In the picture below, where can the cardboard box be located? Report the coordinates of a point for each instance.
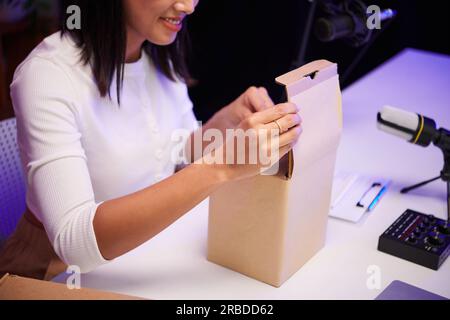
(267, 227)
(19, 288)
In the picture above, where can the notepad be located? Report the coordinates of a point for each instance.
(354, 194)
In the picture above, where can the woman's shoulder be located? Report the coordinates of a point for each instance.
(46, 76)
(57, 50)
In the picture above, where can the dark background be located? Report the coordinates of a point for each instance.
(239, 43)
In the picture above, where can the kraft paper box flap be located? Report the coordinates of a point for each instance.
(19, 288)
(307, 76)
(266, 227)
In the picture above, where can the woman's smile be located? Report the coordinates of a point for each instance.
(174, 24)
(156, 21)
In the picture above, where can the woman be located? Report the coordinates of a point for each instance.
(95, 109)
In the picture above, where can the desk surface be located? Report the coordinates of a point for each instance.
(173, 264)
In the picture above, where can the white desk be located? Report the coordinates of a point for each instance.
(173, 265)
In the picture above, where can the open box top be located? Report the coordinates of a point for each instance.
(295, 82)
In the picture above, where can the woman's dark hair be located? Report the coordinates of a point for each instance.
(102, 40)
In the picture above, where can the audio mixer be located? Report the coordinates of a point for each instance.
(419, 238)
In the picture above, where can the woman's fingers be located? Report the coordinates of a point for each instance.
(285, 123)
(256, 99)
(265, 96)
(288, 126)
(286, 140)
(272, 114)
(291, 136)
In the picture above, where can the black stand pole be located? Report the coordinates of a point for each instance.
(305, 38)
(418, 185)
(448, 202)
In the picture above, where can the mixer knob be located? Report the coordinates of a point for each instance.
(431, 219)
(444, 228)
(435, 240)
(412, 239)
(418, 232)
(425, 223)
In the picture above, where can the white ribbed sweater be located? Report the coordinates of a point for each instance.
(79, 149)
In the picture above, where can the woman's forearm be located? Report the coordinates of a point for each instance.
(122, 224)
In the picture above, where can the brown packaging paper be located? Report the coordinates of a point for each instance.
(19, 288)
(267, 227)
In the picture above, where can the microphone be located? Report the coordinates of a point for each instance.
(413, 127)
(418, 129)
(347, 20)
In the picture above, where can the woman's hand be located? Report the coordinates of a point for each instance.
(239, 158)
(251, 101)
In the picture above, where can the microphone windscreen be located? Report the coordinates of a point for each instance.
(398, 122)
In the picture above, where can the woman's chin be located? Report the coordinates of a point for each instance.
(163, 40)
